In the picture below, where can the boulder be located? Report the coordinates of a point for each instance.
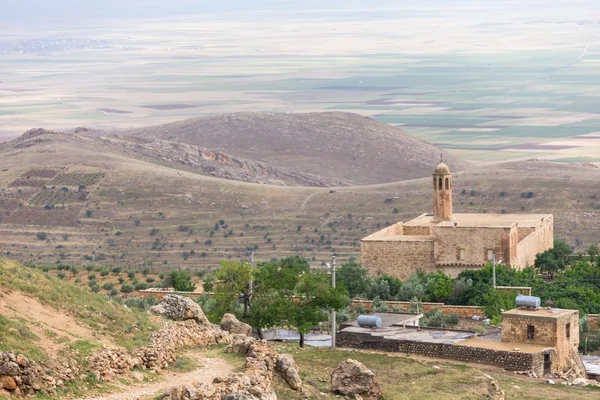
(179, 308)
(287, 368)
(232, 325)
(7, 382)
(352, 378)
(9, 368)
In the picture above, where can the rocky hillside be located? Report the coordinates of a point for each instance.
(198, 159)
(339, 146)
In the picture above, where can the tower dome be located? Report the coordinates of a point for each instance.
(442, 169)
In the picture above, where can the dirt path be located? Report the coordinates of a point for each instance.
(210, 369)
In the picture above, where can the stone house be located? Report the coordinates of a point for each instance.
(455, 242)
(554, 328)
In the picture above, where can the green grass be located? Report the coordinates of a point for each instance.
(16, 336)
(237, 361)
(408, 378)
(129, 328)
(184, 364)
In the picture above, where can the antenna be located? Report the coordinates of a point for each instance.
(441, 157)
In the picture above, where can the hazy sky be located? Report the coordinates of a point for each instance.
(64, 10)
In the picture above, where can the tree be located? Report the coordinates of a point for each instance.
(181, 281)
(353, 277)
(232, 285)
(288, 292)
(316, 298)
(554, 260)
(413, 287)
(439, 287)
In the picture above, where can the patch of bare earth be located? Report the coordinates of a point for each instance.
(209, 369)
(54, 327)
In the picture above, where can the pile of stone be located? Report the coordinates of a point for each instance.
(108, 363)
(255, 383)
(20, 376)
(231, 324)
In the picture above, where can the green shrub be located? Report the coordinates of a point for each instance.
(126, 288)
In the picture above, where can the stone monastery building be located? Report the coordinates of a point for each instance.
(455, 242)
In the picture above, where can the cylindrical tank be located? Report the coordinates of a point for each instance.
(369, 321)
(528, 301)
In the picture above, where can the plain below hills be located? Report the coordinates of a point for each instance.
(345, 148)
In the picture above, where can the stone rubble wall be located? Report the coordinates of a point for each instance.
(255, 383)
(20, 376)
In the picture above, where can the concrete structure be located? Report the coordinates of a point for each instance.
(553, 327)
(455, 242)
(551, 349)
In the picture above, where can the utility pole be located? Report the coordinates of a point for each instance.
(333, 322)
(494, 270)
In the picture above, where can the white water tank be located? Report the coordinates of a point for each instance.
(528, 301)
(369, 321)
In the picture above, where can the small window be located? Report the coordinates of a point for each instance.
(434, 183)
(462, 254)
(568, 331)
(490, 255)
(440, 184)
(530, 332)
(447, 183)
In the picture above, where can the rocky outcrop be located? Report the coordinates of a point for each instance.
(287, 368)
(179, 308)
(232, 325)
(352, 378)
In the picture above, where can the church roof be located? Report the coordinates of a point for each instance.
(442, 169)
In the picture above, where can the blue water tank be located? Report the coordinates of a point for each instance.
(528, 301)
(369, 321)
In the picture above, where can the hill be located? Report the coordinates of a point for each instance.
(349, 148)
(79, 199)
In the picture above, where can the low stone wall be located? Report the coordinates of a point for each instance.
(20, 376)
(461, 311)
(509, 360)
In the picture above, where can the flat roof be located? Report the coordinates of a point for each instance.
(482, 220)
(413, 334)
(504, 346)
(388, 319)
(539, 312)
(398, 238)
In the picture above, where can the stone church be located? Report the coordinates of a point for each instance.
(455, 242)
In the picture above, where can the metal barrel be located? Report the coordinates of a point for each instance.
(369, 321)
(528, 301)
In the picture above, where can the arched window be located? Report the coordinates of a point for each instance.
(440, 185)
(434, 182)
(447, 183)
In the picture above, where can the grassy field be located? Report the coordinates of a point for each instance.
(450, 73)
(403, 377)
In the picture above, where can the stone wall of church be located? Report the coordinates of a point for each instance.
(397, 258)
(541, 238)
(476, 241)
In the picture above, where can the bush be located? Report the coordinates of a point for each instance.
(104, 272)
(126, 288)
(181, 281)
(89, 267)
(91, 277)
(116, 270)
(61, 275)
(41, 235)
(108, 286)
(141, 286)
(131, 274)
(149, 279)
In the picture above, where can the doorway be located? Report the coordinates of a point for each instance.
(547, 364)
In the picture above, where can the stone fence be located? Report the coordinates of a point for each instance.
(461, 311)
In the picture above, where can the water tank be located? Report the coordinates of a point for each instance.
(528, 301)
(369, 321)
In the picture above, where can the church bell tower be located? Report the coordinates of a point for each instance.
(442, 193)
